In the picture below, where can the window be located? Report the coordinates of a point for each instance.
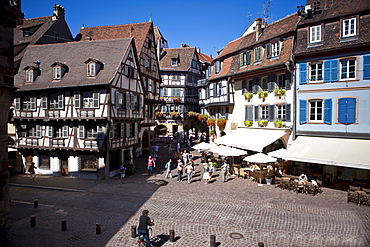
(174, 61)
(194, 64)
(164, 91)
(62, 131)
(29, 103)
(316, 72)
(245, 58)
(56, 101)
(29, 75)
(316, 110)
(34, 131)
(281, 111)
(44, 161)
(315, 34)
(17, 103)
(91, 133)
(50, 131)
(218, 67)
(264, 111)
(176, 92)
(275, 49)
(148, 64)
(81, 131)
(264, 84)
(349, 27)
(91, 69)
(175, 77)
(347, 110)
(257, 54)
(91, 100)
(281, 81)
(89, 162)
(120, 100)
(348, 68)
(44, 102)
(77, 98)
(57, 73)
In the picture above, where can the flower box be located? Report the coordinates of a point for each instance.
(262, 94)
(248, 123)
(248, 95)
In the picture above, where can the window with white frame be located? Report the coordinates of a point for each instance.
(29, 75)
(218, 65)
(316, 72)
(34, 131)
(17, 103)
(91, 100)
(258, 54)
(264, 83)
(61, 131)
(316, 110)
(57, 73)
(77, 99)
(174, 61)
(349, 27)
(175, 92)
(56, 101)
(281, 80)
(81, 131)
(44, 102)
(275, 49)
(175, 77)
(348, 68)
(315, 34)
(91, 69)
(281, 111)
(29, 103)
(264, 111)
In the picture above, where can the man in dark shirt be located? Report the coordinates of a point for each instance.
(144, 222)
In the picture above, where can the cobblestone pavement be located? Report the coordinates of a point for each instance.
(238, 212)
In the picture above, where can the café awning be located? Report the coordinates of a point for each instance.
(251, 139)
(352, 153)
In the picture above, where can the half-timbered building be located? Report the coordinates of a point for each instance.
(180, 71)
(146, 47)
(79, 106)
(332, 50)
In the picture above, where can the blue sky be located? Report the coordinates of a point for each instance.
(207, 24)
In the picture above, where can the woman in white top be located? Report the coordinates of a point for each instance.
(189, 170)
(206, 175)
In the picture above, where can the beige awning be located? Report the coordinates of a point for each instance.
(251, 139)
(354, 153)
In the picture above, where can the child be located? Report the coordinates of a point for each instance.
(122, 171)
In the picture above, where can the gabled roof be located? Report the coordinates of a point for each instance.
(184, 56)
(205, 58)
(336, 9)
(73, 55)
(43, 24)
(157, 34)
(137, 30)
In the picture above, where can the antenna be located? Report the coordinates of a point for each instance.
(267, 17)
(249, 16)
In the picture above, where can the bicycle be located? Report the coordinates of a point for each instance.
(141, 241)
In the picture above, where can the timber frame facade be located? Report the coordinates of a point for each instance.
(79, 108)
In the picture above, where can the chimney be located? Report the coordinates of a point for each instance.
(258, 28)
(58, 12)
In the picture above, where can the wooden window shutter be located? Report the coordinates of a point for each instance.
(271, 113)
(256, 112)
(327, 111)
(302, 111)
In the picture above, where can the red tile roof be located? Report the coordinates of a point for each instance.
(184, 56)
(205, 58)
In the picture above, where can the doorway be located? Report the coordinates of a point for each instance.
(64, 165)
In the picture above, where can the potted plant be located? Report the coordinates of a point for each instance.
(202, 117)
(192, 114)
(159, 114)
(176, 99)
(174, 114)
(221, 123)
(279, 91)
(262, 94)
(278, 123)
(248, 123)
(248, 95)
(212, 132)
(211, 122)
(262, 122)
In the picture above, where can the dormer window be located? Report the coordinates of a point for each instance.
(57, 73)
(93, 67)
(275, 49)
(59, 69)
(349, 27)
(174, 61)
(29, 75)
(258, 54)
(315, 34)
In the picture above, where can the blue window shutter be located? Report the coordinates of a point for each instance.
(302, 73)
(302, 111)
(351, 110)
(327, 71)
(334, 70)
(367, 67)
(327, 111)
(342, 110)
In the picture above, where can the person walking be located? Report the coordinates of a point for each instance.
(189, 171)
(210, 168)
(151, 164)
(206, 176)
(142, 229)
(32, 171)
(185, 157)
(155, 148)
(224, 168)
(168, 169)
(122, 171)
(178, 146)
(179, 171)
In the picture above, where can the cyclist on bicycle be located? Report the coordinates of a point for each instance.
(142, 229)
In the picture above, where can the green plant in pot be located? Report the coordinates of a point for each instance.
(279, 123)
(248, 95)
(279, 91)
(262, 122)
(262, 94)
(248, 123)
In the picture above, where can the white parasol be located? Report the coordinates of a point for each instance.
(260, 158)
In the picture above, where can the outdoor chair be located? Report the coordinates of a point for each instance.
(364, 198)
(352, 194)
